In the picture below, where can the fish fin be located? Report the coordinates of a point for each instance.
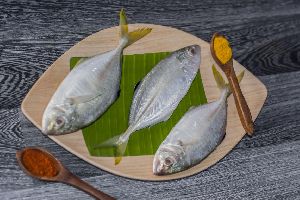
(137, 85)
(218, 78)
(133, 36)
(137, 34)
(118, 93)
(120, 151)
(119, 144)
(187, 142)
(180, 143)
(221, 140)
(167, 118)
(241, 76)
(191, 108)
(220, 81)
(81, 60)
(81, 99)
(123, 23)
(111, 142)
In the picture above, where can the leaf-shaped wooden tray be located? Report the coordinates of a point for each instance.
(159, 40)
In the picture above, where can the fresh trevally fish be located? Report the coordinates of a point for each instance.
(196, 135)
(90, 88)
(159, 93)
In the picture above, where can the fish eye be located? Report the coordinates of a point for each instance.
(59, 121)
(168, 162)
(192, 50)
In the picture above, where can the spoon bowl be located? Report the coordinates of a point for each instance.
(224, 66)
(62, 175)
(58, 165)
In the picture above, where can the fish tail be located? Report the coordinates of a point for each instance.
(119, 142)
(220, 80)
(241, 76)
(130, 37)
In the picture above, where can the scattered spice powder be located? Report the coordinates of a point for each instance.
(222, 49)
(39, 163)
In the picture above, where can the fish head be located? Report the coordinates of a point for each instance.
(58, 120)
(189, 57)
(169, 159)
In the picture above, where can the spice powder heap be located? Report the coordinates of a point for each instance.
(39, 163)
(222, 49)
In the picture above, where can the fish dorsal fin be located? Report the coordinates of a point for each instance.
(241, 76)
(218, 78)
(81, 60)
(137, 85)
(191, 108)
(220, 81)
(119, 93)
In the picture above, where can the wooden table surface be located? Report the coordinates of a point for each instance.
(265, 35)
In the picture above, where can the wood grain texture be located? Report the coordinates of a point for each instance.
(240, 175)
(161, 39)
(33, 34)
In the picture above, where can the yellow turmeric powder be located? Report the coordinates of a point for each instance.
(222, 49)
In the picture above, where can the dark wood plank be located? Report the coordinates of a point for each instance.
(279, 119)
(276, 56)
(270, 172)
(33, 35)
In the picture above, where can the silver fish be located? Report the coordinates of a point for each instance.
(159, 93)
(196, 135)
(90, 88)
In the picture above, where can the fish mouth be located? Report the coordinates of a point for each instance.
(158, 167)
(51, 132)
(45, 126)
(47, 131)
(48, 128)
(160, 173)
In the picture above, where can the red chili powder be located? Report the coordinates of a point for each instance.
(39, 163)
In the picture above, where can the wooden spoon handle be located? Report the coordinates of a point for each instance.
(240, 102)
(84, 186)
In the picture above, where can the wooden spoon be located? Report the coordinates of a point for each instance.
(63, 175)
(240, 102)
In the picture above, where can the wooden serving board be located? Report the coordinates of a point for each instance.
(160, 39)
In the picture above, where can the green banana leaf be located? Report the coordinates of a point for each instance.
(115, 120)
